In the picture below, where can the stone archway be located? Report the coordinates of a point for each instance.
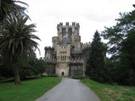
(62, 67)
(62, 73)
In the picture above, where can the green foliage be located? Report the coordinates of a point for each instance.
(120, 68)
(17, 41)
(127, 59)
(38, 65)
(95, 63)
(17, 38)
(5, 72)
(29, 68)
(116, 34)
(10, 6)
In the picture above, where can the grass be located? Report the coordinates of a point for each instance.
(28, 90)
(108, 92)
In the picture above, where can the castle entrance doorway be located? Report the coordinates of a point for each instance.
(62, 74)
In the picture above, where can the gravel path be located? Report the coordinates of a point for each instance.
(69, 90)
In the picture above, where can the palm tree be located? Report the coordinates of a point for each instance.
(17, 41)
(8, 6)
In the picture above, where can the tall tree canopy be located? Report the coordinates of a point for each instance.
(116, 34)
(17, 41)
(8, 6)
(121, 46)
(95, 62)
(127, 59)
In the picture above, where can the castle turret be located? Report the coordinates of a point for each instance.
(55, 41)
(49, 54)
(67, 34)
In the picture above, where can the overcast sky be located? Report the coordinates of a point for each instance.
(91, 14)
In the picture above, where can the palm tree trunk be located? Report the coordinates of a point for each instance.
(17, 76)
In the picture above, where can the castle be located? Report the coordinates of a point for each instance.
(66, 56)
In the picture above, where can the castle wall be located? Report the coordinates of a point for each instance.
(63, 58)
(65, 45)
(62, 68)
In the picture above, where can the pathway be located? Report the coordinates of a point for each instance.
(69, 90)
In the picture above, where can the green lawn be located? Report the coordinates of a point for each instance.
(108, 92)
(28, 90)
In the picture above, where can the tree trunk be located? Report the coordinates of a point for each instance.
(17, 76)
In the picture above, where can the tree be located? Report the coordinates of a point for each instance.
(8, 6)
(127, 59)
(32, 68)
(116, 34)
(95, 63)
(17, 42)
(121, 49)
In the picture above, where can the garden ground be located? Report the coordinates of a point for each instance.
(108, 92)
(28, 90)
(32, 89)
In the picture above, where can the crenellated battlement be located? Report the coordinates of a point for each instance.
(74, 24)
(67, 27)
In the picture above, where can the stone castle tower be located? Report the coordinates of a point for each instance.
(66, 54)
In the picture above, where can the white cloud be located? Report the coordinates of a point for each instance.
(91, 14)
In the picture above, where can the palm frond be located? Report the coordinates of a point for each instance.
(18, 38)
